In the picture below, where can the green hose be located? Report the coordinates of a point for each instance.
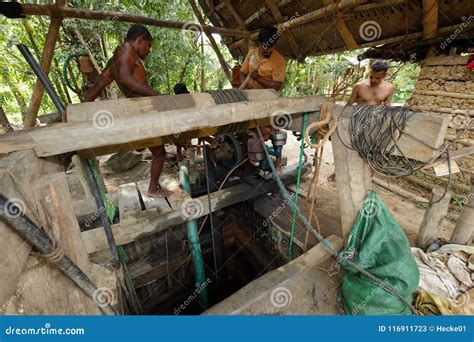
(65, 70)
(293, 221)
(193, 237)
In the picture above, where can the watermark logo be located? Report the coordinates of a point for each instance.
(462, 300)
(13, 208)
(281, 119)
(192, 208)
(192, 31)
(103, 119)
(103, 296)
(281, 297)
(370, 30)
(466, 21)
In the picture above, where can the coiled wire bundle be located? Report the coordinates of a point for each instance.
(375, 132)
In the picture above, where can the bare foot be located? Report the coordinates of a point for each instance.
(159, 193)
(332, 178)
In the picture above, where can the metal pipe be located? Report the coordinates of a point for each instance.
(94, 187)
(42, 77)
(23, 225)
(195, 244)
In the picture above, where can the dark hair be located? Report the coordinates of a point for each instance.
(379, 65)
(180, 88)
(137, 31)
(268, 36)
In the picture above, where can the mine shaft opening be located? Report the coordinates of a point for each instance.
(249, 249)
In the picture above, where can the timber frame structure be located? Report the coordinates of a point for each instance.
(32, 158)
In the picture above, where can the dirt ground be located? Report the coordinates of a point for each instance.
(408, 214)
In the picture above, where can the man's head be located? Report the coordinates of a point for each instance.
(180, 88)
(267, 37)
(378, 71)
(141, 39)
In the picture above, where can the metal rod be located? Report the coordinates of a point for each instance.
(23, 225)
(42, 77)
(102, 214)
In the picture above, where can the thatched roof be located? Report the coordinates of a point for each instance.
(315, 27)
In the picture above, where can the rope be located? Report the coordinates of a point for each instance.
(340, 257)
(325, 118)
(300, 166)
(56, 255)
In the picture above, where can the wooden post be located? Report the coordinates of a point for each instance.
(429, 229)
(19, 171)
(4, 121)
(353, 177)
(212, 41)
(52, 292)
(464, 229)
(46, 59)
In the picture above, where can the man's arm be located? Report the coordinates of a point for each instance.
(125, 63)
(354, 95)
(104, 80)
(267, 84)
(388, 100)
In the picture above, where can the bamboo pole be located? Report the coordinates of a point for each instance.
(46, 59)
(212, 41)
(88, 51)
(66, 12)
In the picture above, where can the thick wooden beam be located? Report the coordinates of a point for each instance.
(212, 41)
(354, 178)
(67, 137)
(430, 18)
(341, 25)
(46, 59)
(18, 173)
(148, 222)
(66, 12)
(280, 20)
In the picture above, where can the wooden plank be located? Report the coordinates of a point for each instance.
(129, 200)
(149, 269)
(131, 107)
(67, 137)
(51, 291)
(148, 222)
(157, 203)
(18, 173)
(433, 132)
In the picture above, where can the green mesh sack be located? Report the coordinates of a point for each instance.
(378, 245)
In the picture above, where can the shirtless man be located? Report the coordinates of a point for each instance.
(127, 70)
(374, 91)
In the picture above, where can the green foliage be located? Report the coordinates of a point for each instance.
(177, 56)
